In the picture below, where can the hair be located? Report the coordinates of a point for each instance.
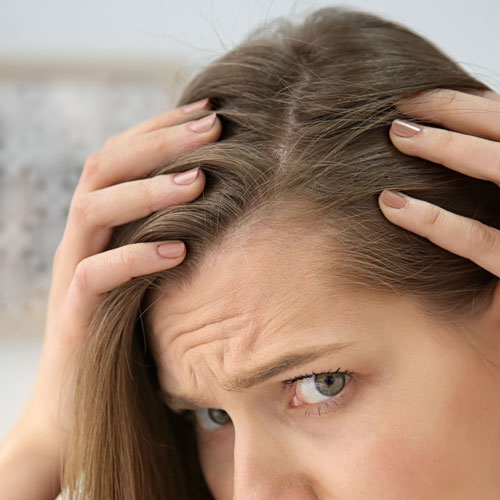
(305, 110)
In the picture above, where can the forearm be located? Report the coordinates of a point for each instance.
(27, 470)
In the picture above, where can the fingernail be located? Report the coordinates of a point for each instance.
(195, 106)
(394, 199)
(187, 177)
(171, 250)
(405, 129)
(203, 124)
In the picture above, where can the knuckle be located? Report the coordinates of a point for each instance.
(82, 276)
(148, 191)
(446, 140)
(111, 141)
(432, 218)
(92, 165)
(482, 237)
(156, 142)
(79, 209)
(123, 260)
(444, 97)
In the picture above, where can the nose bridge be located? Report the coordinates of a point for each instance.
(265, 465)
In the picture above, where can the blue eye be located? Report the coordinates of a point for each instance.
(211, 418)
(320, 392)
(321, 387)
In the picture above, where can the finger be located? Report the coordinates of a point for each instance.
(144, 153)
(162, 120)
(460, 235)
(466, 154)
(105, 271)
(93, 215)
(470, 114)
(104, 208)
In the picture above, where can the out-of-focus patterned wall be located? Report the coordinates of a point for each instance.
(51, 118)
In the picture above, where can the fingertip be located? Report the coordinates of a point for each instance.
(392, 199)
(217, 127)
(404, 129)
(387, 211)
(203, 125)
(207, 129)
(196, 106)
(172, 249)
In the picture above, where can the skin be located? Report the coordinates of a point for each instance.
(419, 419)
(392, 444)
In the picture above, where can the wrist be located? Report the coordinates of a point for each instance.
(29, 469)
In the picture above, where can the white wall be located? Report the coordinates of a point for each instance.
(468, 31)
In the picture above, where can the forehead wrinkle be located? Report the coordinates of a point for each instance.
(218, 342)
(205, 324)
(166, 330)
(212, 341)
(227, 350)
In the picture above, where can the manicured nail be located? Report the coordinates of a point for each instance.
(394, 199)
(405, 129)
(171, 250)
(195, 106)
(203, 124)
(187, 177)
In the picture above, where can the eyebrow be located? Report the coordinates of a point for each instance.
(258, 375)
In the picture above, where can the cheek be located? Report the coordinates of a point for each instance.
(389, 463)
(217, 465)
(418, 447)
(399, 466)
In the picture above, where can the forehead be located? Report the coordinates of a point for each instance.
(249, 302)
(257, 280)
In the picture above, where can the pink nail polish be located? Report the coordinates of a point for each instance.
(171, 250)
(195, 106)
(405, 129)
(203, 124)
(188, 177)
(394, 199)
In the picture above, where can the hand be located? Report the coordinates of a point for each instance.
(470, 146)
(108, 194)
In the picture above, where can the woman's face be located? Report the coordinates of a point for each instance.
(417, 418)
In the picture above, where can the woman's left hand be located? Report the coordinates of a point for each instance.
(471, 145)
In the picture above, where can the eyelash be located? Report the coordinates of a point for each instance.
(329, 405)
(324, 405)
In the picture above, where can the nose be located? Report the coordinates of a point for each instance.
(266, 468)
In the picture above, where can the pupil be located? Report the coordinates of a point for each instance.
(218, 416)
(330, 385)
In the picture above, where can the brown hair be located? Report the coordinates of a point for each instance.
(305, 112)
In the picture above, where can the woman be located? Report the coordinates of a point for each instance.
(324, 336)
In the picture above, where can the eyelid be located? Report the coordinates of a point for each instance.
(291, 381)
(331, 404)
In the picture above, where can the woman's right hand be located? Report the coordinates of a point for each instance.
(108, 194)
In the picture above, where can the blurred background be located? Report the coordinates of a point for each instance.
(74, 73)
